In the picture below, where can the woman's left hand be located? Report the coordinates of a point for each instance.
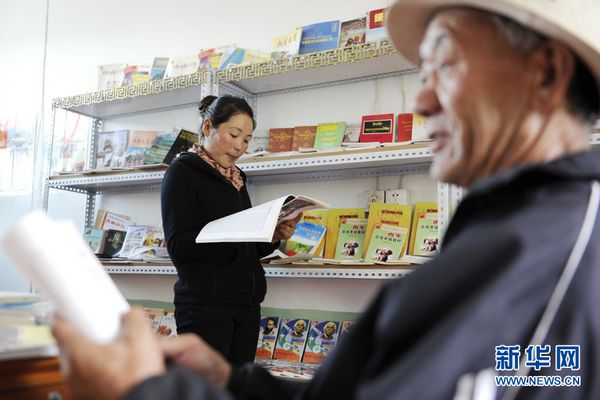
(285, 229)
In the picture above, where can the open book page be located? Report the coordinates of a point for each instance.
(55, 258)
(256, 224)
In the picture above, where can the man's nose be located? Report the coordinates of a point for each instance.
(426, 102)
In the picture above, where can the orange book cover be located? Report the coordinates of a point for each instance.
(304, 136)
(388, 214)
(336, 217)
(280, 139)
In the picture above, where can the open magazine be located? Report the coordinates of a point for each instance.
(257, 224)
(54, 256)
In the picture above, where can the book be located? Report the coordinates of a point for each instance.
(377, 128)
(141, 239)
(110, 76)
(53, 255)
(94, 237)
(267, 337)
(159, 67)
(351, 239)
(389, 214)
(353, 32)
(419, 129)
(303, 136)
(135, 74)
(405, 123)
(306, 239)
(376, 25)
(167, 325)
(286, 45)
(153, 317)
(322, 338)
(426, 236)
(242, 56)
(159, 148)
(111, 148)
(423, 209)
(113, 242)
(352, 134)
(336, 217)
(139, 144)
(184, 141)
(330, 135)
(346, 327)
(387, 243)
(280, 139)
(109, 220)
(257, 224)
(70, 141)
(184, 65)
(258, 144)
(319, 37)
(13, 298)
(292, 339)
(317, 217)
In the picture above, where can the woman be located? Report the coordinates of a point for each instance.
(220, 285)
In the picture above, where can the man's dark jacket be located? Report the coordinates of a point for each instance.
(502, 256)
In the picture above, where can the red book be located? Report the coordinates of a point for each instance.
(405, 122)
(280, 139)
(377, 128)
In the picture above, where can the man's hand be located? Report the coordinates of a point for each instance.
(110, 371)
(192, 352)
(285, 229)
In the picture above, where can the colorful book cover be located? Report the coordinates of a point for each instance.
(110, 76)
(111, 149)
(159, 67)
(179, 66)
(133, 239)
(405, 123)
(304, 136)
(167, 326)
(353, 32)
(160, 147)
(183, 142)
(286, 45)
(291, 339)
(305, 239)
(320, 37)
(219, 56)
(387, 244)
(419, 129)
(69, 151)
(94, 237)
(346, 327)
(204, 57)
(154, 237)
(330, 135)
(113, 242)
(153, 317)
(351, 239)
(135, 74)
(267, 337)
(322, 338)
(280, 139)
(140, 143)
(352, 134)
(388, 214)
(106, 220)
(376, 25)
(426, 236)
(423, 209)
(317, 217)
(377, 128)
(336, 217)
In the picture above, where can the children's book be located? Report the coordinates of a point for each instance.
(242, 56)
(303, 136)
(377, 128)
(351, 239)
(376, 25)
(280, 139)
(387, 243)
(140, 143)
(136, 74)
(184, 141)
(306, 239)
(286, 45)
(111, 149)
(179, 66)
(94, 237)
(109, 220)
(352, 32)
(113, 242)
(330, 135)
(336, 217)
(320, 37)
(322, 338)
(134, 238)
(267, 337)
(292, 339)
(159, 67)
(204, 57)
(160, 147)
(257, 224)
(388, 214)
(110, 76)
(317, 217)
(423, 209)
(167, 326)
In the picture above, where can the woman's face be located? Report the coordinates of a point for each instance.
(229, 141)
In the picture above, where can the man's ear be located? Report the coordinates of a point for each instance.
(554, 65)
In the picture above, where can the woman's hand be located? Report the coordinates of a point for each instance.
(285, 229)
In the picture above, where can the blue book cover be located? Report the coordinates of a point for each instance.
(320, 37)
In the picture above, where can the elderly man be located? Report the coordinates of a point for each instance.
(509, 89)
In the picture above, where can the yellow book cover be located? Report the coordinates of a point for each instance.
(336, 217)
(388, 214)
(422, 209)
(317, 217)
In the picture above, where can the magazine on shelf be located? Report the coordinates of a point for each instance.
(257, 224)
(54, 256)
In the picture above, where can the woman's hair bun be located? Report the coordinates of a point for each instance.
(206, 102)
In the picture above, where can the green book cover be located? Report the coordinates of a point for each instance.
(351, 239)
(330, 135)
(160, 147)
(386, 243)
(426, 237)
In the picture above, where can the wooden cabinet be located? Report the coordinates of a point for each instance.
(32, 379)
